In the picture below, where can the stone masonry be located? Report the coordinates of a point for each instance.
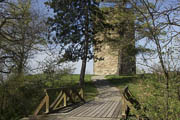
(107, 66)
(118, 58)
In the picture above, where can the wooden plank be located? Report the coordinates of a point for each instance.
(40, 106)
(76, 111)
(117, 110)
(86, 118)
(47, 103)
(107, 103)
(59, 101)
(63, 88)
(101, 110)
(80, 109)
(79, 96)
(90, 109)
(96, 109)
(56, 100)
(85, 111)
(65, 100)
(112, 110)
(108, 110)
(119, 114)
(81, 93)
(104, 110)
(69, 95)
(124, 107)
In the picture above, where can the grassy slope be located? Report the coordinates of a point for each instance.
(138, 86)
(90, 90)
(150, 93)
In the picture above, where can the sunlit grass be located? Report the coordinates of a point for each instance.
(150, 91)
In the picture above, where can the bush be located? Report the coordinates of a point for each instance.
(19, 99)
(20, 95)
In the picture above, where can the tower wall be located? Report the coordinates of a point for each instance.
(118, 46)
(109, 65)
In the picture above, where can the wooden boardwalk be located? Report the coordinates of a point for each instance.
(98, 109)
(106, 106)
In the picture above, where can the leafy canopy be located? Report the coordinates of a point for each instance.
(73, 21)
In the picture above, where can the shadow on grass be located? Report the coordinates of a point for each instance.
(90, 91)
(121, 81)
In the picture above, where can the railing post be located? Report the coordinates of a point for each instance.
(65, 95)
(47, 102)
(82, 93)
(65, 99)
(124, 108)
(40, 106)
(71, 94)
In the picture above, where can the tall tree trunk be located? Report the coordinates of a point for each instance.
(83, 70)
(166, 75)
(84, 60)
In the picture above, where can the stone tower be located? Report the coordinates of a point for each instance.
(117, 47)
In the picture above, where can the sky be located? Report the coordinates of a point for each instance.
(40, 57)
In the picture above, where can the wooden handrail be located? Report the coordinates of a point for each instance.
(130, 100)
(47, 102)
(65, 96)
(124, 105)
(56, 100)
(40, 106)
(67, 87)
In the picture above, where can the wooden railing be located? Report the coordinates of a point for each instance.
(124, 104)
(129, 102)
(56, 98)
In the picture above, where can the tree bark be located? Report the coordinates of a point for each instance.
(83, 70)
(84, 60)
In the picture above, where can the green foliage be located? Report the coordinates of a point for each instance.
(19, 99)
(150, 91)
(75, 23)
(121, 33)
(21, 35)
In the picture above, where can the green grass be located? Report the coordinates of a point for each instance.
(150, 91)
(57, 81)
(90, 91)
(122, 81)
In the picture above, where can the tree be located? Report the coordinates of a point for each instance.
(159, 20)
(21, 35)
(157, 23)
(75, 23)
